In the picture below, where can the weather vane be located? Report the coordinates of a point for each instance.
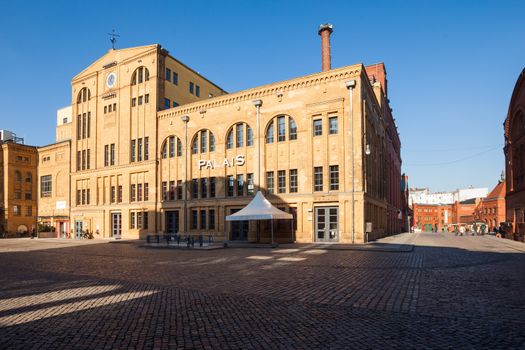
(113, 38)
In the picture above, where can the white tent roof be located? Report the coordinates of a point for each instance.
(259, 209)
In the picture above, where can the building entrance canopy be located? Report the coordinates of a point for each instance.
(260, 209)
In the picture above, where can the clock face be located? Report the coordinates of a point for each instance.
(111, 79)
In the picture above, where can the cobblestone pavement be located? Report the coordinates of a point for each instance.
(448, 292)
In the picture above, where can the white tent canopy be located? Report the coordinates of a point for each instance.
(259, 209)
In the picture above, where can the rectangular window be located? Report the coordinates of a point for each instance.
(29, 210)
(240, 185)
(140, 100)
(110, 109)
(17, 209)
(172, 146)
(249, 136)
(114, 107)
(281, 181)
(164, 190)
(84, 121)
(79, 161)
(106, 155)
(79, 201)
(105, 109)
(146, 148)
(29, 196)
(230, 185)
(251, 187)
(83, 159)
(318, 178)
(191, 87)
(269, 182)
(89, 125)
(175, 78)
(168, 74)
(139, 193)
(204, 187)
(18, 195)
(203, 220)
(132, 151)
(139, 219)
(172, 191)
(113, 194)
(139, 149)
(334, 177)
(79, 127)
(83, 196)
(293, 180)
(45, 186)
(133, 193)
(88, 160)
(204, 141)
(194, 219)
(146, 191)
(146, 98)
(167, 103)
(334, 127)
(132, 220)
(318, 127)
(211, 219)
(88, 195)
(145, 220)
(212, 187)
(112, 154)
(281, 129)
(195, 188)
(119, 195)
(197, 90)
(179, 148)
(179, 189)
(240, 134)
(133, 102)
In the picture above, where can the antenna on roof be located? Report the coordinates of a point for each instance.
(113, 38)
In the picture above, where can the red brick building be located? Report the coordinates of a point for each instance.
(515, 159)
(491, 210)
(432, 217)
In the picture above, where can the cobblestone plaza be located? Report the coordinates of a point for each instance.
(408, 291)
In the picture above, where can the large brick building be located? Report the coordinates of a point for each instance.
(515, 158)
(491, 209)
(156, 147)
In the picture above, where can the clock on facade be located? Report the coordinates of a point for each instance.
(111, 79)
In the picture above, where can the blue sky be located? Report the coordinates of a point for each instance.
(451, 65)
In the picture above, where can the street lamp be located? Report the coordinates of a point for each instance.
(350, 85)
(185, 119)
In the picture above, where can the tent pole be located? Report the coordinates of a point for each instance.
(272, 232)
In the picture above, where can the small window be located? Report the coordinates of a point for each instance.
(269, 133)
(195, 188)
(212, 187)
(146, 98)
(140, 101)
(167, 103)
(269, 182)
(212, 142)
(318, 178)
(195, 145)
(240, 134)
(175, 104)
(203, 220)
(281, 181)
(172, 146)
(175, 78)
(133, 102)
(230, 185)
(292, 129)
(249, 136)
(334, 177)
(318, 127)
(333, 125)
(204, 141)
(179, 148)
(197, 90)
(251, 187)
(191, 87)
(240, 185)
(211, 219)
(204, 187)
(168, 74)
(281, 129)
(229, 140)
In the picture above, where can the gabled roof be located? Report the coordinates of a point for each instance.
(118, 55)
(259, 209)
(497, 192)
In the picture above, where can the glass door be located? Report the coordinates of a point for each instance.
(172, 221)
(116, 225)
(239, 229)
(327, 224)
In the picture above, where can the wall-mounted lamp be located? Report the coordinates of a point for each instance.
(367, 149)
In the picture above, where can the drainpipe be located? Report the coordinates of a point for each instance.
(350, 84)
(258, 104)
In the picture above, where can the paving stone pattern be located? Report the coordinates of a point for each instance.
(448, 292)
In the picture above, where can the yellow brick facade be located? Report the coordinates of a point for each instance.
(153, 153)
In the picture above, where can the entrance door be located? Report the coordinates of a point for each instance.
(62, 229)
(239, 229)
(78, 229)
(172, 221)
(326, 224)
(116, 225)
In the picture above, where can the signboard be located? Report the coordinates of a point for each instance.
(61, 205)
(238, 160)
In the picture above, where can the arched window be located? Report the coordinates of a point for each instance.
(282, 123)
(168, 147)
(18, 176)
(140, 75)
(269, 133)
(236, 136)
(84, 95)
(29, 177)
(204, 140)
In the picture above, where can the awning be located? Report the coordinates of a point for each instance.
(259, 209)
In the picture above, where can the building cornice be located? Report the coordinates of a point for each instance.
(265, 90)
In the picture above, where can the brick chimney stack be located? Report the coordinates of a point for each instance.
(324, 31)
